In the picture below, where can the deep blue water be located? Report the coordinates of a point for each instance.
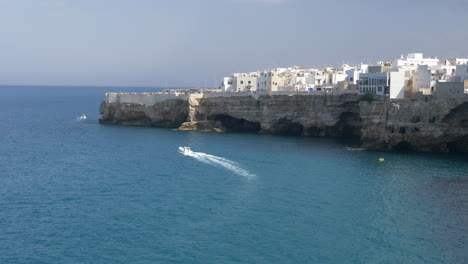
(78, 192)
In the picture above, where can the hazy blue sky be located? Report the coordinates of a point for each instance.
(194, 42)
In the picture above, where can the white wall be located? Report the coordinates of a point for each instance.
(457, 61)
(352, 77)
(364, 68)
(397, 84)
(229, 84)
(338, 77)
(246, 82)
(449, 69)
(264, 81)
(413, 60)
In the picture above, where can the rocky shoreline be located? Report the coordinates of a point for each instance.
(423, 123)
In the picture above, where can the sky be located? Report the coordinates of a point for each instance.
(194, 43)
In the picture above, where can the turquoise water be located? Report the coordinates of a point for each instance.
(77, 192)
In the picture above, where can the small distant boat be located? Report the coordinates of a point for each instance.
(82, 117)
(381, 159)
(185, 150)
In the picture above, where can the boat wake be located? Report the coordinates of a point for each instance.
(219, 162)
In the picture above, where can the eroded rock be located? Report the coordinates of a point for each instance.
(416, 124)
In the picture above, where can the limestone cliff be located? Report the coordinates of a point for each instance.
(310, 115)
(421, 124)
(168, 113)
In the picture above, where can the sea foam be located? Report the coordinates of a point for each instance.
(219, 162)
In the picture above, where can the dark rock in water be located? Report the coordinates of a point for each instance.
(207, 126)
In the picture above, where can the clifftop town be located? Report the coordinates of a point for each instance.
(397, 79)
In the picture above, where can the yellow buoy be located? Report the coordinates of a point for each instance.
(381, 159)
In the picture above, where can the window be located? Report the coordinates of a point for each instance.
(241, 82)
(351, 79)
(249, 82)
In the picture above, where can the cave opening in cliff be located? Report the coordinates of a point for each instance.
(457, 117)
(458, 146)
(285, 126)
(236, 124)
(457, 120)
(403, 146)
(348, 126)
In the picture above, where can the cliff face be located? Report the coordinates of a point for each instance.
(317, 115)
(421, 124)
(168, 113)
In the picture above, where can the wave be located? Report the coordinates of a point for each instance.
(219, 162)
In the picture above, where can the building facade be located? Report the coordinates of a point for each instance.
(374, 83)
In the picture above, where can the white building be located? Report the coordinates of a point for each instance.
(280, 80)
(391, 83)
(338, 77)
(456, 61)
(374, 83)
(264, 81)
(397, 84)
(352, 76)
(246, 82)
(412, 61)
(398, 78)
(229, 84)
(447, 68)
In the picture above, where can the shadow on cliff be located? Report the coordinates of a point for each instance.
(457, 120)
(348, 126)
(236, 124)
(285, 126)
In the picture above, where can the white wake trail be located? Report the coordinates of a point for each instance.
(220, 162)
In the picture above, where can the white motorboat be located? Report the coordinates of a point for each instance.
(185, 150)
(82, 117)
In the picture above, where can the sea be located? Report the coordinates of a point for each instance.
(74, 191)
